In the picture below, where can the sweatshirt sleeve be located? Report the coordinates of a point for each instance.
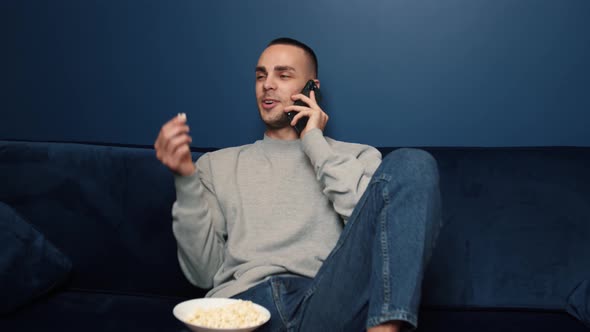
(344, 175)
(198, 225)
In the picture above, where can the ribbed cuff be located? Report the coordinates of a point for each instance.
(187, 187)
(398, 314)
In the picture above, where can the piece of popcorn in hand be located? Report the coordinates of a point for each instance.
(182, 116)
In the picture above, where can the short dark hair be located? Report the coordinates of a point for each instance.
(296, 43)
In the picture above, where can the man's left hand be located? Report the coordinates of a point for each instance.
(317, 117)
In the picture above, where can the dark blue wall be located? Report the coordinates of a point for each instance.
(394, 73)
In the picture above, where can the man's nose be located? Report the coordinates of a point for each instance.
(269, 84)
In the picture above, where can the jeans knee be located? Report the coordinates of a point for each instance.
(411, 166)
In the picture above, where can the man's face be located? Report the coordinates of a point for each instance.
(281, 72)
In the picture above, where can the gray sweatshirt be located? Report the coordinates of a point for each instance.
(267, 208)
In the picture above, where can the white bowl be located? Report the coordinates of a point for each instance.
(184, 311)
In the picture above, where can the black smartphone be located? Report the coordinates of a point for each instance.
(301, 123)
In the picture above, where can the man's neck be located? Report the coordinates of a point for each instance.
(286, 133)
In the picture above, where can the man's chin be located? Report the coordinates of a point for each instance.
(277, 123)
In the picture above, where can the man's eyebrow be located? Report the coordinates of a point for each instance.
(277, 68)
(284, 68)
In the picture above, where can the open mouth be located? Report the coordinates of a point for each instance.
(269, 103)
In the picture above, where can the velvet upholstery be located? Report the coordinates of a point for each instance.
(514, 244)
(107, 208)
(517, 224)
(461, 320)
(99, 312)
(578, 304)
(30, 266)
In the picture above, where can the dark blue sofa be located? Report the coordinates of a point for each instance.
(514, 246)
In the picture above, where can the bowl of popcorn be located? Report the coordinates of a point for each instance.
(220, 314)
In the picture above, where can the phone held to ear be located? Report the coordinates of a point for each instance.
(301, 123)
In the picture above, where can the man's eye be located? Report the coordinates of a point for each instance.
(285, 76)
(258, 77)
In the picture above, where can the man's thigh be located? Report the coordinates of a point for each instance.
(338, 297)
(282, 296)
(374, 273)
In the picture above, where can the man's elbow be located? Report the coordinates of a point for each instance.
(197, 279)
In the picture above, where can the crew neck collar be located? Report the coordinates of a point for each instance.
(274, 144)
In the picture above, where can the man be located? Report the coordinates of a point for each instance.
(320, 232)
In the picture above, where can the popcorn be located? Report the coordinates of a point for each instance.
(182, 116)
(240, 314)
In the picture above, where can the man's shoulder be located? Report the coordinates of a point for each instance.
(225, 154)
(232, 150)
(335, 142)
(349, 147)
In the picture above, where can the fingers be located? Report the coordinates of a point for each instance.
(177, 120)
(304, 113)
(179, 141)
(176, 153)
(322, 118)
(180, 155)
(173, 127)
(168, 136)
(317, 117)
(297, 108)
(308, 100)
(173, 146)
(181, 151)
(168, 141)
(173, 133)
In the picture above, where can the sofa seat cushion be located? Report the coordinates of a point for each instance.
(30, 265)
(82, 311)
(488, 320)
(89, 312)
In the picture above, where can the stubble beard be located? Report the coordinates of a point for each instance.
(277, 121)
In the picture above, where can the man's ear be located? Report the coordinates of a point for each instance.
(317, 82)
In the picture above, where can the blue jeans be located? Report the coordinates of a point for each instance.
(374, 273)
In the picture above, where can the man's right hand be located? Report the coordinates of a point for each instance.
(172, 146)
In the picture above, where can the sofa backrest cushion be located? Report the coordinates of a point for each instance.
(30, 265)
(517, 227)
(107, 208)
(517, 220)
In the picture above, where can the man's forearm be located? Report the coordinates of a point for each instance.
(200, 242)
(344, 176)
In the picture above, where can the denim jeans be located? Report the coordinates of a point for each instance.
(374, 273)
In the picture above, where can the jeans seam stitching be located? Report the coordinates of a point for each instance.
(276, 284)
(385, 253)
